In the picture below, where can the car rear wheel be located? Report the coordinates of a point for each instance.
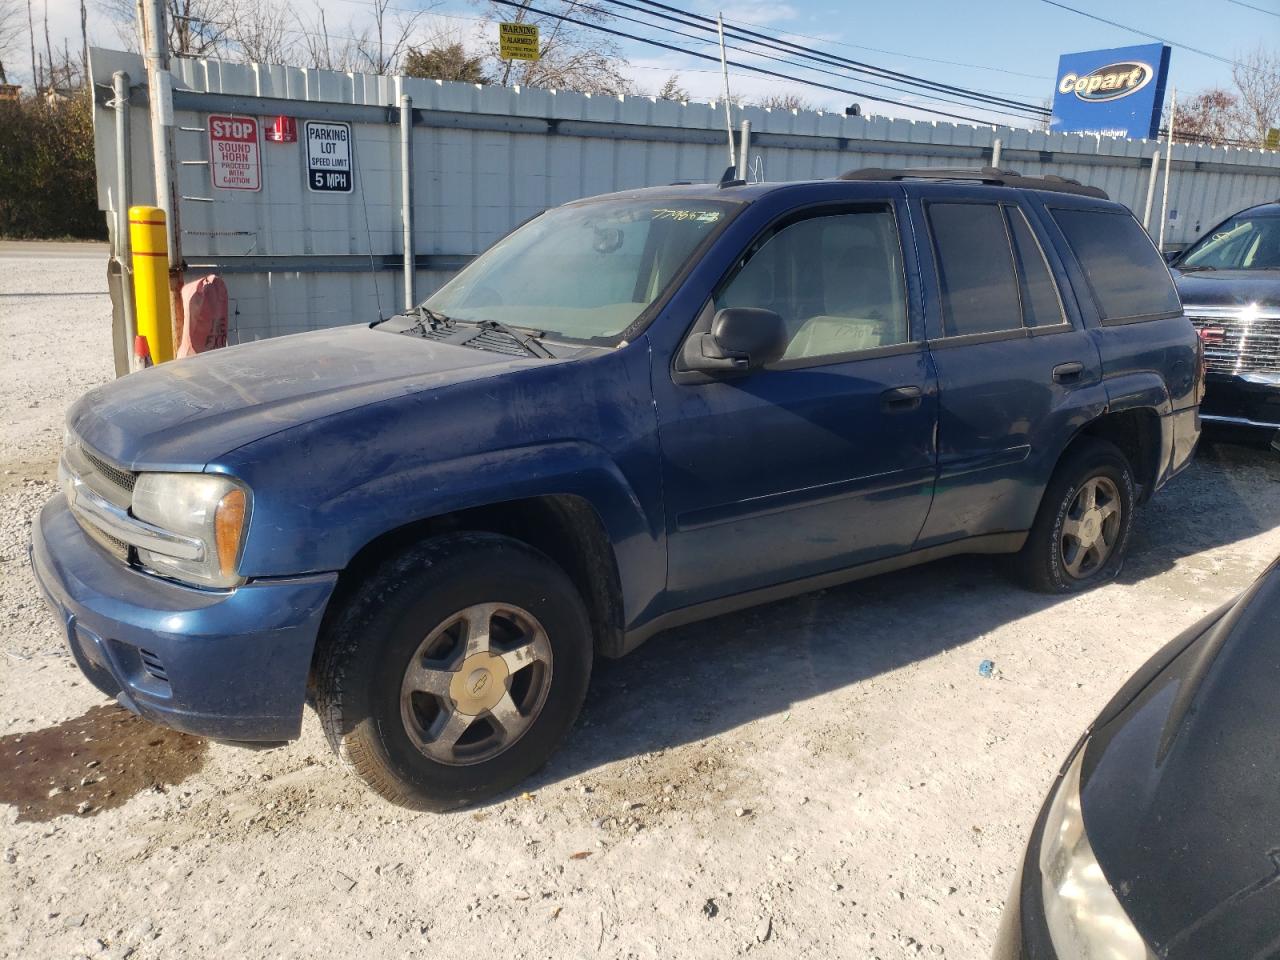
(1081, 533)
(454, 671)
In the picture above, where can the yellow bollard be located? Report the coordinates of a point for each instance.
(149, 239)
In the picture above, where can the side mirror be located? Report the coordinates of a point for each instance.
(741, 339)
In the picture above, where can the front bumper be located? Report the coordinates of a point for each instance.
(225, 664)
(1241, 400)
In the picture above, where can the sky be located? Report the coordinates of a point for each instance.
(1010, 48)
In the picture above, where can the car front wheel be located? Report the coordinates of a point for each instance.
(454, 671)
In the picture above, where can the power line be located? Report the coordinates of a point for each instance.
(854, 66)
(1241, 3)
(893, 53)
(996, 105)
(739, 65)
(1149, 36)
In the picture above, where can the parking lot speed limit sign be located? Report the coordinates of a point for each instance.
(328, 156)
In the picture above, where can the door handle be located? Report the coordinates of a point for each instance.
(1068, 372)
(901, 399)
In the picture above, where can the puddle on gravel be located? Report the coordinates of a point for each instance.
(91, 763)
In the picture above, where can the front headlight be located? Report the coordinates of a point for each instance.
(1085, 920)
(210, 509)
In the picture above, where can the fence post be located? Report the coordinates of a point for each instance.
(160, 98)
(996, 146)
(1151, 189)
(744, 148)
(406, 196)
(124, 197)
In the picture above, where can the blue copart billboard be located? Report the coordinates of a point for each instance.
(1112, 93)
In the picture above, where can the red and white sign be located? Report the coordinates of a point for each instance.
(235, 153)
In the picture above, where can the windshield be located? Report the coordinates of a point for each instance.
(1242, 243)
(581, 272)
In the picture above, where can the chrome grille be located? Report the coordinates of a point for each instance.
(108, 481)
(113, 483)
(123, 479)
(1238, 340)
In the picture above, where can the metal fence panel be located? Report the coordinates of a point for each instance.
(486, 158)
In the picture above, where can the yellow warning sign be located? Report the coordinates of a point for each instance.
(518, 41)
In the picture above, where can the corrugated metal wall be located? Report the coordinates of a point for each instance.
(486, 158)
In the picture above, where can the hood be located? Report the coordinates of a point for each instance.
(1181, 790)
(183, 414)
(1229, 288)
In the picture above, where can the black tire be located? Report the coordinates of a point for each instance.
(367, 650)
(1041, 563)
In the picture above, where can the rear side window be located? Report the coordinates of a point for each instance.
(1128, 279)
(975, 269)
(1041, 305)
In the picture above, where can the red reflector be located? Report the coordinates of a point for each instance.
(1212, 335)
(283, 130)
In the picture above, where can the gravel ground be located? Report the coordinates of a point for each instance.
(827, 776)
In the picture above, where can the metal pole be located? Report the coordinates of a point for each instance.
(744, 150)
(995, 152)
(724, 69)
(406, 196)
(160, 98)
(1151, 189)
(124, 197)
(1168, 164)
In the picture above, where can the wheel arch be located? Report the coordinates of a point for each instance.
(566, 527)
(1137, 433)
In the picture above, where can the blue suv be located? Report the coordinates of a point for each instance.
(635, 411)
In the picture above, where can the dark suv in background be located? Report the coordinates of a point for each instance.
(1230, 283)
(633, 412)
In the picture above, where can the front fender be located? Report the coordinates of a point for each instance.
(324, 490)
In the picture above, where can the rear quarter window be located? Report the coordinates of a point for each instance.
(1126, 275)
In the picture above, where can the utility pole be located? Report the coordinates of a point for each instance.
(724, 69)
(1168, 164)
(160, 100)
(84, 46)
(31, 30)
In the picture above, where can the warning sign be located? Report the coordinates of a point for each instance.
(518, 41)
(235, 156)
(328, 156)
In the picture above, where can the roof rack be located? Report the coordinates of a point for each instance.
(988, 175)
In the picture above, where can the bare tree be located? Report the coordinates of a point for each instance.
(196, 28)
(572, 57)
(784, 101)
(376, 45)
(1257, 80)
(1207, 117)
(11, 30)
(263, 31)
(672, 90)
(320, 51)
(380, 47)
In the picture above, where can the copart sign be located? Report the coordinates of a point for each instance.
(1111, 93)
(235, 154)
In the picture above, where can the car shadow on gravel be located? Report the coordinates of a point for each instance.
(703, 679)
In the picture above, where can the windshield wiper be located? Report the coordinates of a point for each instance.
(430, 318)
(526, 338)
(1193, 269)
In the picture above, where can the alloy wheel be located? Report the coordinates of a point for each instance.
(1091, 528)
(476, 683)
